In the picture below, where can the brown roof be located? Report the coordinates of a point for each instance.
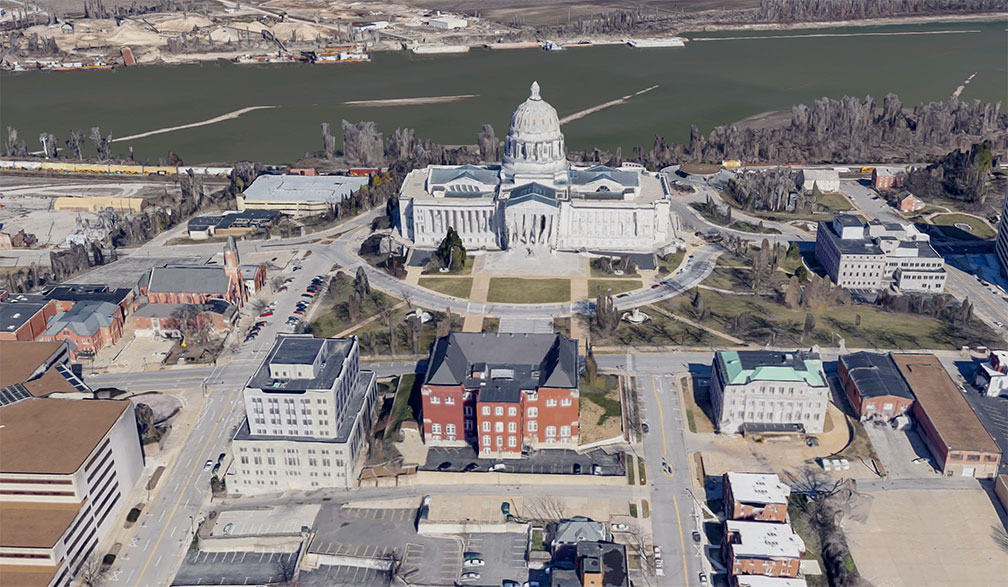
(34, 525)
(53, 436)
(52, 381)
(944, 404)
(26, 576)
(20, 360)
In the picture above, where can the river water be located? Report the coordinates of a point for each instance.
(709, 82)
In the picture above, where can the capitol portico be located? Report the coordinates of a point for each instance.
(536, 198)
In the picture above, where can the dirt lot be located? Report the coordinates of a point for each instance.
(951, 545)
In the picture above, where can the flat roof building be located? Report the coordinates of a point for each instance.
(878, 255)
(758, 497)
(66, 467)
(950, 428)
(24, 316)
(298, 195)
(768, 388)
(992, 375)
(874, 386)
(827, 180)
(760, 548)
(309, 409)
(764, 581)
(231, 223)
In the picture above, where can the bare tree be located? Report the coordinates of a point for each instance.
(186, 315)
(257, 306)
(286, 569)
(328, 142)
(91, 573)
(102, 144)
(76, 142)
(545, 509)
(637, 543)
(49, 143)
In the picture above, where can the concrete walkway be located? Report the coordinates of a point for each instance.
(698, 325)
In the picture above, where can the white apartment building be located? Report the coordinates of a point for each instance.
(827, 180)
(772, 390)
(878, 255)
(66, 468)
(308, 410)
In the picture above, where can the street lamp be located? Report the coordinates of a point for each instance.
(192, 529)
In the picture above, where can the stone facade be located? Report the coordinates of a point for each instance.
(536, 198)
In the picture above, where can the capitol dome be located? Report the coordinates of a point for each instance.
(534, 146)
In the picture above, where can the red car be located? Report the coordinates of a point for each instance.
(265, 314)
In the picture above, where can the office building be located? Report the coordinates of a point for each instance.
(758, 497)
(298, 195)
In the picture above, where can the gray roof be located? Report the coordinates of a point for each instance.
(847, 220)
(579, 529)
(848, 246)
(875, 375)
(84, 319)
(18, 309)
(249, 271)
(585, 176)
(443, 175)
(537, 360)
(208, 279)
(303, 188)
(78, 292)
(168, 310)
(245, 219)
(302, 349)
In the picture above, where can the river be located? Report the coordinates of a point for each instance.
(709, 82)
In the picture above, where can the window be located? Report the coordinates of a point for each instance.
(498, 426)
(512, 427)
(435, 429)
(551, 431)
(468, 411)
(565, 431)
(435, 399)
(449, 429)
(500, 441)
(533, 426)
(512, 411)
(449, 400)
(533, 412)
(486, 410)
(512, 441)
(468, 424)
(565, 402)
(486, 426)
(486, 442)
(550, 403)
(499, 411)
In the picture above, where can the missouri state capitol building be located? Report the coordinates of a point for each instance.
(536, 198)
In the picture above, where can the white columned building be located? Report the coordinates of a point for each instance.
(536, 198)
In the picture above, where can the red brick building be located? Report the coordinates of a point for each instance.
(756, 497)
(197, 284)
(887, 178)
(501, 393)
(874, 386)
(762, 548)
(951, 429)
(88, 327)
(908, 202)
(216, 318)
(24, 317)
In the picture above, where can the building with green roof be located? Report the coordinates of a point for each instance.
(775, 390)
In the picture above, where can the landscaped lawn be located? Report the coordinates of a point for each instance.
(401, 408)
(878, 328)
(490, 324)
(603, 392)
(516, 290)
(980, 228)
(465, 270)
(597, 287)
(834, 202)
(741, 225)
(333, 316)
(670, 262)
(458, 287)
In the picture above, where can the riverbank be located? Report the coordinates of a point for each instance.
(873, 22)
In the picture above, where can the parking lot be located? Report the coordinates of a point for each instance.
(235, 568)
(374, 533)
(543, 462)
(898, 449)
(340, 576)
(503, 557)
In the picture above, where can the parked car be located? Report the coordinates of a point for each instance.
(281, 288)
(703, 578)
(644, 427)
(619, 527)
(470, 576)
(307, 295)
(444, 466)
(266, 314)
(473, 562)
(696, 536)
(216, 468)
(220, 458)
(208, 465)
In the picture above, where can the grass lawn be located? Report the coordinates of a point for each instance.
(980, 229)
(402, 409)
(736, 224)
(490, 324)
(375, 338)
(562, 325)
(458, 287)
(604, 392)
(466, 269)
(801, 522)
(516, 290)
(333, 316)
(600, 268)
(642, 470)
(659, 330)
(630, 475)
(537, 540)
(698, 405)
(878, 328)
(834, 202)
(669, 263)
(597, 287)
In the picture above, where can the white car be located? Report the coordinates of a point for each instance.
(208, 465)
(473, 562)
(469, 576)
(619, 527)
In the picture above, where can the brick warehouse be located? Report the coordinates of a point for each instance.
(502, 392)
